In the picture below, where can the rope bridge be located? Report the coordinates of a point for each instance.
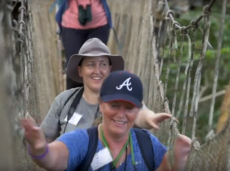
(153, 55)
(153, 44)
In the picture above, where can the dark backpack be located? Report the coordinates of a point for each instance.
(143, 139)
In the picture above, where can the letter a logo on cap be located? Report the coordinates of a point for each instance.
(125, 83)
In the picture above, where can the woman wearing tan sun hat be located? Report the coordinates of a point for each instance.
(77, 108)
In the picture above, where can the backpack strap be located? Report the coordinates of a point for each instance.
(73, 106)
(146, 148)
(62, 6)
(75, 103)
(77, 89)
(93, 142)
(59, 122)
(143, 139)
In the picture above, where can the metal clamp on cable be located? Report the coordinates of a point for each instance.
(159, 13)
(170, 12)
(183, 30)
(176, 25)
(22, 8)
(207, 11)
(194, 25)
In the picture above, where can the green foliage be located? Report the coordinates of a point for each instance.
(208, 70)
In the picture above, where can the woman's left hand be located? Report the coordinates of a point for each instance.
(147, 119)
(153, 119)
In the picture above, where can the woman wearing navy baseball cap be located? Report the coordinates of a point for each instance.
(115, 144)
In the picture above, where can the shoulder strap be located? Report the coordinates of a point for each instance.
(93, 142)
(73, 106)
(146, 148)
(75, 103)
(77, 89)
(143, 139)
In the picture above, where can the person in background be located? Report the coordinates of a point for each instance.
(117, 146)
(78, 108)
(80, 20)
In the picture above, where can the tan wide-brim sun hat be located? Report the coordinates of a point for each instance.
(92, 48)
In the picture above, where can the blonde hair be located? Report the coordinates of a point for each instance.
(97, 121)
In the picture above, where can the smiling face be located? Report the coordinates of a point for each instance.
(118, 116)
(94, 71)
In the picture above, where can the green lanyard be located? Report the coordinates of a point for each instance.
(122, 150)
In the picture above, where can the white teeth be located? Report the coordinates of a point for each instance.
(121, 123)
(96, 78)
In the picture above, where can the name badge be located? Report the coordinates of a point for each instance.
(74, 119)
(101, 158)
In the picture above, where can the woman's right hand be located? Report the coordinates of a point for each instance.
(33, 135)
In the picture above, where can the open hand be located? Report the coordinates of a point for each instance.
(147, 119)
(153, 119)
(182, 149)
(32, 133)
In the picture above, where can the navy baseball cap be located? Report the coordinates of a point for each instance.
(122, 86)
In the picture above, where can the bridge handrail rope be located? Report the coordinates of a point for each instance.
(220, 37)
(175, 25)
(170, 15)
(189, 79)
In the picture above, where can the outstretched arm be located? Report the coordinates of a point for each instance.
(55, 159)
(147, 119)
(182, 149)
(50, 125)
(53, 156)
